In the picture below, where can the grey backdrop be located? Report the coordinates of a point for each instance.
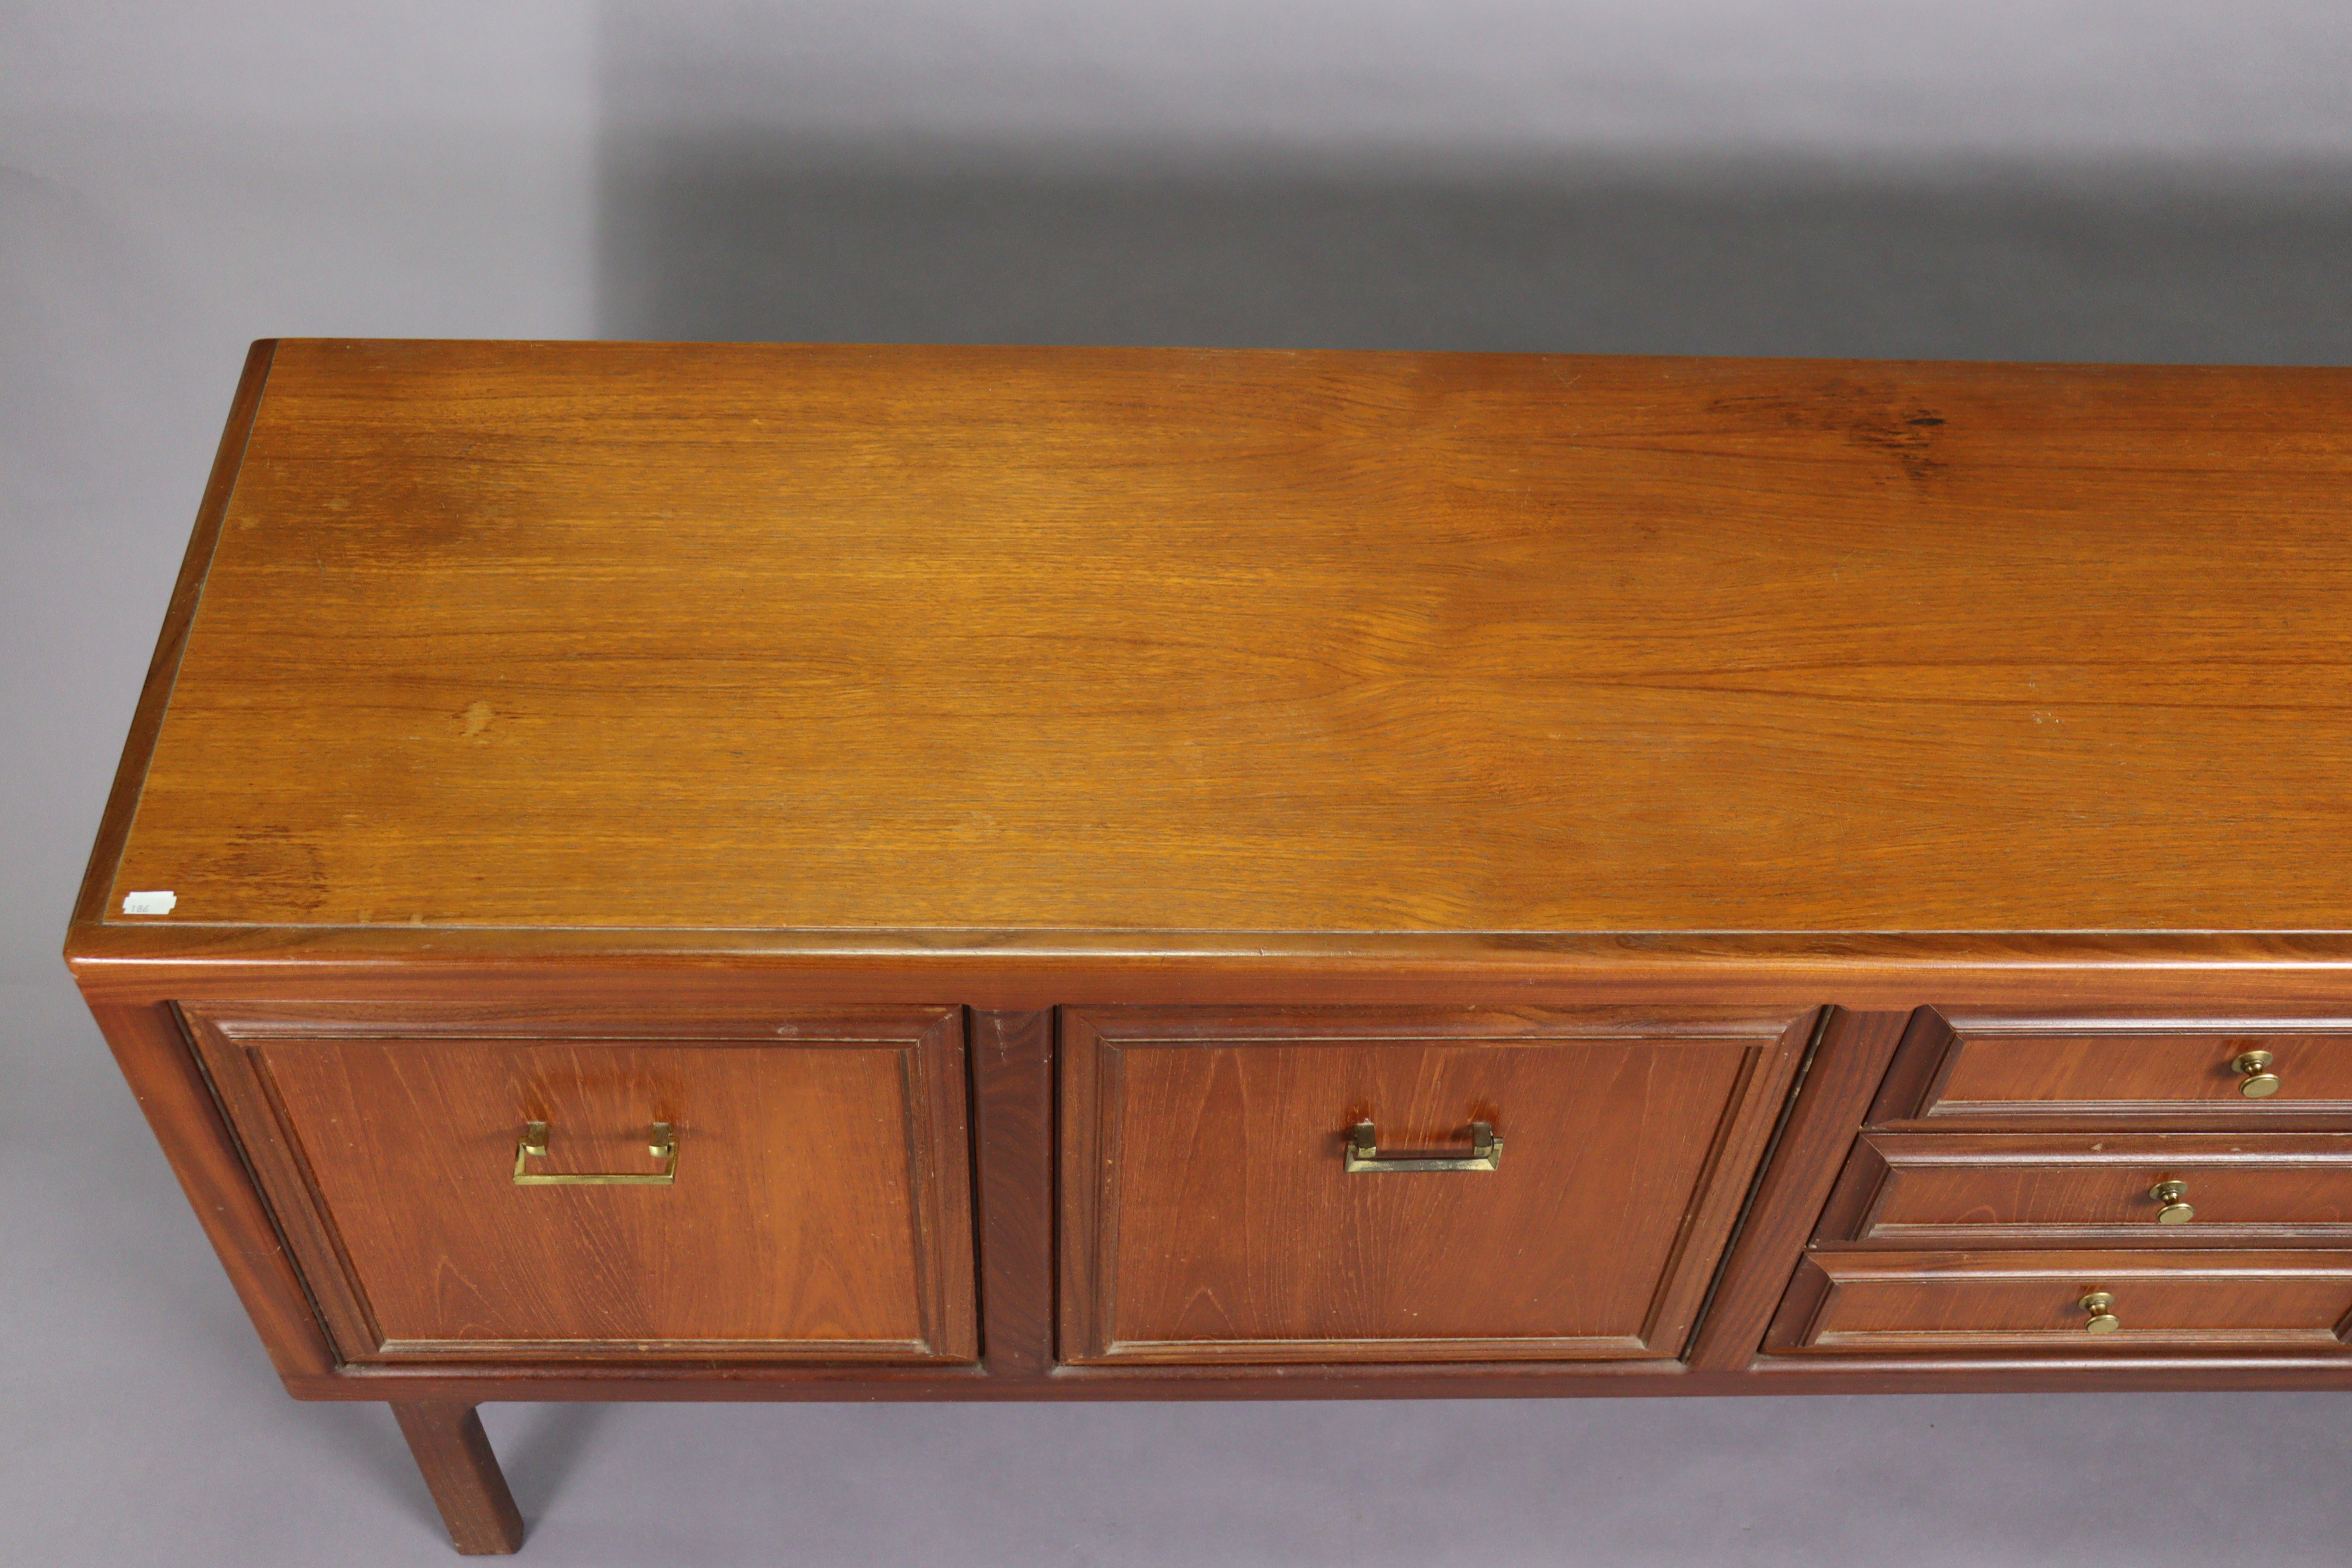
(2074, 179)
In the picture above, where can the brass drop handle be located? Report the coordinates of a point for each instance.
(2255, 1080)
(2103, 1320)
(1364, 1157)
(663, 1146)
(2174, 1196)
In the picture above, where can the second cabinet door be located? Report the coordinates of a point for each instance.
(1389, 1184)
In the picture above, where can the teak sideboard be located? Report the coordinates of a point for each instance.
(652, 872)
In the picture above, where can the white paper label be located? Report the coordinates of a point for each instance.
(151, 903)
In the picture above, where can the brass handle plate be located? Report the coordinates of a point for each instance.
(2101, 1307)
(1364, 1157)
(2174, 1196)
(2255, 1079)
(662, 1146)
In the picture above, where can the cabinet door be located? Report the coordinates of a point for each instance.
(462, 1185)
(1308, 1185)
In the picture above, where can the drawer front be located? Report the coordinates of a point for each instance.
(2008, 1070)
(2181, 1189)
(1928, 1302)
(462, 1186)
(1210, 1213)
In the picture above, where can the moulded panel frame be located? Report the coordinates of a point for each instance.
(1916, 1094)
(227, 1038)
(1855, 1215)
(1798, 1332)
(1093, 1041)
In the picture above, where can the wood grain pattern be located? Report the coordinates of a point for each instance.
(2150, 1071)
(1208, 1217)
(820, 1208)
(900, 638)
(1943, 1302)
(463, 1475)
(1988, 1189)
(171, 643)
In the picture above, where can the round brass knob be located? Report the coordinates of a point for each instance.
(2255, 1080)
(2103, 1321)
(2173, 1196)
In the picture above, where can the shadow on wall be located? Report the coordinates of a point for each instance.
(712, 237)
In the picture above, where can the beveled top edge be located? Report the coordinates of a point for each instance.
(119, 942)
(622, 348)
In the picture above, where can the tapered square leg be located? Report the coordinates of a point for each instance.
(463, 1475)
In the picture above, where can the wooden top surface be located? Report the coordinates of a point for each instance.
(727, 636)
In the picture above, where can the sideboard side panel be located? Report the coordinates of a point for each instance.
(171, 1088)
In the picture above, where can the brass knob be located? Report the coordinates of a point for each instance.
(2103, 1321)
(2255, 1080)
(2173, 1196)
